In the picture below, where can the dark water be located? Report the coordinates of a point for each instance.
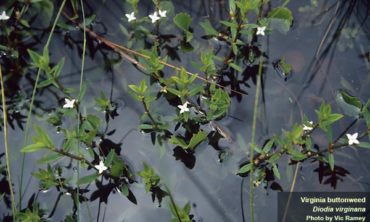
(324, 60)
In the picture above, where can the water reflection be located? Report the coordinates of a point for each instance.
(198, 176)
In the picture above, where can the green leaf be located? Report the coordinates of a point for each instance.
(35, 57)
(178, 141)
(354, 101)
(364, 145)
(245, 169)
(44, 11)
(124, 190)
(45, 83)
(332, 118)
(331, 161)
(33, 147)
(52, 157)
(219, 104)
(183, 21)
(57, 69)
(268, 146)
(297, 156)
(281, 18)
(90, 20)
(232, 6)
(145, 126)
(276, 171)
(208, 28)
(92, 123)
(230, 24)
(274, 158)
(43, 138)
(235, 66)
(151, 179)
(196, 139)
(117, 167)
(88, 179)
(350, 105)
(111, 155)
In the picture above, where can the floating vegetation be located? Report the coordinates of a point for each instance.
(128, 110)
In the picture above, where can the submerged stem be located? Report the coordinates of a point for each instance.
(255, 113)
(5, 117)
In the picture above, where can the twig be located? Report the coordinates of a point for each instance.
(7, 156)
(124, 51)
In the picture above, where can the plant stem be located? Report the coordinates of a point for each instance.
(255, 113)
(173, 203)
(7, 156)
(124, 51)
(148, 113)
(79, 116)
(28, 122)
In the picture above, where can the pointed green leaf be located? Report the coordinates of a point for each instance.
(178, 141)
(33, 147)
(245, 169)
(196, 139)
(268, 146)
(235, 66)
(350, 105)
(276, 171)
(364, 145)
(52, 157)
(43, 138)
(208, 28)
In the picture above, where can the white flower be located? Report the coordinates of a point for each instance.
(162, 13)
(3, 16)
(261, 30)
(309, 127)
(183, 108)
(69, 103)
(352, 139)
(154, 17)
(163, 89)
(131, 16)
(101, 167)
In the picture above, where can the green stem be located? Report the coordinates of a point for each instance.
(255, 113)
(28, 122)
(148, 113)
(80, 89)
(6, 144)
(173, 203)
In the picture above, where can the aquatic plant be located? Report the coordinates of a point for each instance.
(79, 157)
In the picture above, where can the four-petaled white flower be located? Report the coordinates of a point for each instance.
(3, 16)
(101, 167)
(131, 16)
(154, 17)
(308, 127)
(69, 103)
(162, 13)
(352, 139)
(261, 30)
(183, 108)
